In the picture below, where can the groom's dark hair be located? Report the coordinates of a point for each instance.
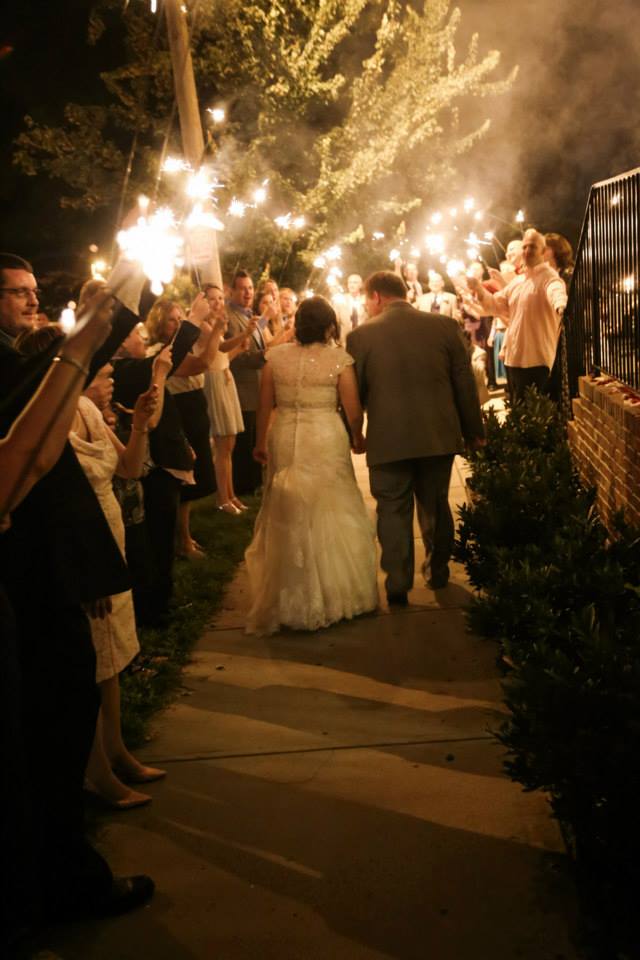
(386, 284)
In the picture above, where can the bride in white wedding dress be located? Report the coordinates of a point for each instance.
(312, 560)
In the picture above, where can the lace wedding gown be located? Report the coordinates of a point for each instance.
(312, 560)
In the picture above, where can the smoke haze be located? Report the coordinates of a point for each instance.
(571, 118)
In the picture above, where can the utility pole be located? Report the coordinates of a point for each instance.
(207, 259)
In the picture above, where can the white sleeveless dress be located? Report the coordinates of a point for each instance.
(312, 560)
(115, 638)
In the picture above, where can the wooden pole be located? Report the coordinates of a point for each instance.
(189, 114)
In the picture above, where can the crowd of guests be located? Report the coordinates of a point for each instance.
(110, 434)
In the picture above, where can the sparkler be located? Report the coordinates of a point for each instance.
(469, 204)
(299, 223)
(237, 208)
(435, 244)
(473, 253)
(98, 269)
(154, 243)
(455, 268)
(378, 235)
(175, 165)
(436, 218)
(199, 186)
(199, 217)
(283, 222)
(259, 195)
(394, 254)
(520, 216)
(217, 114)
(308, 294)
(68, 317)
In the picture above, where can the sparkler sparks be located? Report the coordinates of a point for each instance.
(469, 204)
(199, 217)
(175, 165)
(68, 317)
(394, 254)
(299, 223)
(435, 244)
(98, 269)
(520, 216)
(237, 208)
(378, 235)
(217, 114)
(455, 268)
(283, 222)
(320, 262)
(155, 244)
(199, 186)
(259, 195)
(436, 218)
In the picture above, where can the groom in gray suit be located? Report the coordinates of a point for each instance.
(417, 387)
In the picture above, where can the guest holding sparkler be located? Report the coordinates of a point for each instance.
(186, 386)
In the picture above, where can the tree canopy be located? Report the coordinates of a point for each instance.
(350, 108)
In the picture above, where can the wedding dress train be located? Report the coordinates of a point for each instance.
(312, 560)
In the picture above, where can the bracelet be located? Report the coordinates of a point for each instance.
(139, 430)
(74, 363)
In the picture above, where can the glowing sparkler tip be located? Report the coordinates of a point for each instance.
(283, 221)
(378, 235)
(520, 216)
(320, 262)
(299, 223)
(308, 294)
(455, 268)
(68, 317)
(174, 165)
(217, 114)
(436, 218)
(469, 204)
(489, 235)
(259, 195)
(237, 208)
(394, 254)
(143, 203)
(334, 253)
(478, 215)
(473, 253)
(98, 269)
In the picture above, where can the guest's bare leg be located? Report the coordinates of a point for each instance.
(118, 756)
(102, 780)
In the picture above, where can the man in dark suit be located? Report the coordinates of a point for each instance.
(417, 387)
(57, 560)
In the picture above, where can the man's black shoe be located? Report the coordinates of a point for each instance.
(438, 583)
(126, 894)
(397, 599)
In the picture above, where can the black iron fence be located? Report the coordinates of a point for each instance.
(602, 319)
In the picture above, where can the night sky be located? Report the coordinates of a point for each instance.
(570, 120)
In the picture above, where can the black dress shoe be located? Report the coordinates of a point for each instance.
(438, 583)
(397, 599)
(126, 894)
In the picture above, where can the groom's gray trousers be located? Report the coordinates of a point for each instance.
(394, 486)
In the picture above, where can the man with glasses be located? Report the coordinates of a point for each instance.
(57, 560)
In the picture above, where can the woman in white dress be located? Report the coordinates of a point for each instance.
(312, 560)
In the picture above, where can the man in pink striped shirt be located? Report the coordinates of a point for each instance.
(531, 305)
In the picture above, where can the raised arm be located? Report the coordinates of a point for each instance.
(38, 435)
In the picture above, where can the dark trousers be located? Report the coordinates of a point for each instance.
(161, 499)
(394, 486)
(59, 710)
(519, 378)
(247, 472)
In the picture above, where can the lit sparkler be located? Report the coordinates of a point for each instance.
(199, 217)
(299, 223)
(434, 242)
(455, 268)
(378, 235)
(520, 216)
(334, 253)
(469, 204)
(154, 243)
(217, 114)
(237, 208)
(473, 253)
(308, 294)
(68, 317)
(175, 165)
(320, 262)
(394, 254)
(283, 222)
(98, 269)
(259, 195)
(199, 186)
(436, 218)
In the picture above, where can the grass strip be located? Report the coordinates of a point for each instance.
(153, 679)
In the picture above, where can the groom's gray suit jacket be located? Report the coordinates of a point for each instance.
(416, 384)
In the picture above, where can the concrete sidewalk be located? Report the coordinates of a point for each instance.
(337, 795)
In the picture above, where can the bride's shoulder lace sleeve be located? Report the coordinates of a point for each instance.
(343, 359)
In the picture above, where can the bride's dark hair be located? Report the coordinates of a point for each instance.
(314, 318)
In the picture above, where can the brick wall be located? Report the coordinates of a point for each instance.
(605, 442)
